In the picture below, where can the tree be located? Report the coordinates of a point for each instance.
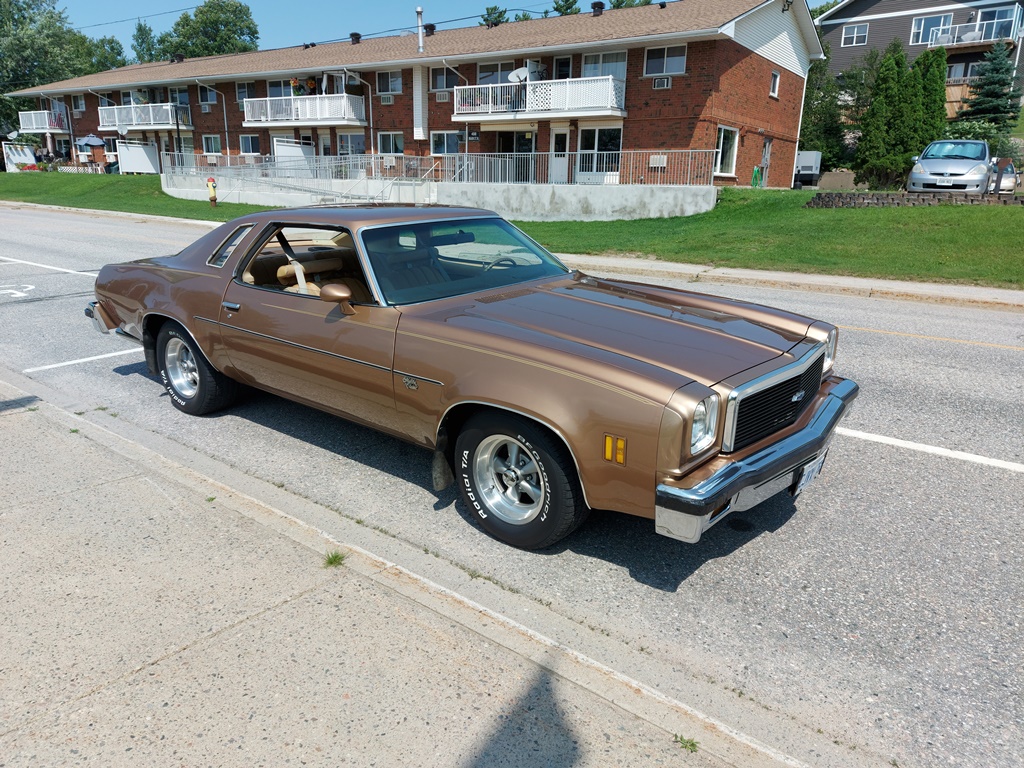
(105, 53)
(144, 43)
(878, 161)
(816, 12)
(523, 16)
(628, 3)
(565, 7)
(493, 16)
(217, 27)
(821, 128)
(994, 98)
(932, 64)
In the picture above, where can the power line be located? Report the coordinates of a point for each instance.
(136, 18)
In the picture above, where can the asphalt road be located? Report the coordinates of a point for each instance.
(881, 612)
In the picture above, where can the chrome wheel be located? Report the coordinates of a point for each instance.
(180, 364)
(509, 479)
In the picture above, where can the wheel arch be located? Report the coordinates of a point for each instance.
(456, 416)
(152, 323)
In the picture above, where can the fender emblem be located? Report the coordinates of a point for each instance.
(410, 382)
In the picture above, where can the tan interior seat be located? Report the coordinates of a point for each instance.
(324, 272)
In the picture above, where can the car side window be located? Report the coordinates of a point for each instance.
(302, 259)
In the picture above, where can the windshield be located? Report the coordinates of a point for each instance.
(428, 260)
(956, 150)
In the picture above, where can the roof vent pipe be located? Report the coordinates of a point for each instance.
(355, 37)
(428, 29)
(419, 29)
(597, 8)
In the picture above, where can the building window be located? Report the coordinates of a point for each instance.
(725, 151)
(250, 143)
(773, 89)
(391, 143)
(599, 150)
(855, 34)
(442, 79)
(211, 145)
(389, 82)
(207, 95)
(445, 142)
(110, 144)
(78, 102)
(245, 91)
(972, 68)
(351, 144)
(666, 61)
(178, 96)
(604, 64)
(925, 27)
(277, 89)
(126, 98)
(562, 68)
(494, 74)
(63, 147)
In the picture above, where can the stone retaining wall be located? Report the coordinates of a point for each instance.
(899, 199)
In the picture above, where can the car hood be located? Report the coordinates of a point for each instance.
(683, 334)
(940, 166)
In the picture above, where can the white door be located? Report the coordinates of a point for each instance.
(559, 173)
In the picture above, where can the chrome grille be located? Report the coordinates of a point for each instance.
(766, 405)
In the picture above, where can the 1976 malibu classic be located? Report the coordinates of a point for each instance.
(543, 392)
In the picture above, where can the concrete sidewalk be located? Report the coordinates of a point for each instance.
(152, 616)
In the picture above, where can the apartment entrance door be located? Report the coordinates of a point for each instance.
(559, 171)
(518, 165)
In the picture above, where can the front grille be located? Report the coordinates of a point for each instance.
(763, 413)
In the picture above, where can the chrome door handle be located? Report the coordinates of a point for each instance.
(230, 307)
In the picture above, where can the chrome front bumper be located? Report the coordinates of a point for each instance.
(685, 513)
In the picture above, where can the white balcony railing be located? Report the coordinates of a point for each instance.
(579, 95)
(34, 122)
(976, 32)
(145, 115)
(329, 108)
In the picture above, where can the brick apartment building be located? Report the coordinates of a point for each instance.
(723, 75)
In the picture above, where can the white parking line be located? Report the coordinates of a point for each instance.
(47, 266)
(82, 360)
(935, 450)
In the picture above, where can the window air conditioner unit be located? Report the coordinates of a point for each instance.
(387, 99)
(443, 96)
(658, 161)
(661, 83)
(76, 114)
(205, 108)
(389, 162)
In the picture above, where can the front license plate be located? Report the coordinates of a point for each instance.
(944, 182)
(808, 473)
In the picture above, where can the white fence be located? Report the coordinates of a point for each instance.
(43, 121)
(576, 95)
(145, 115)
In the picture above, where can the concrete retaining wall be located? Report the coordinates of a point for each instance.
(524, 202)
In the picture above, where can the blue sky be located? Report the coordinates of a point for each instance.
(286, 24)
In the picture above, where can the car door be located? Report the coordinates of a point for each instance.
(306, 349)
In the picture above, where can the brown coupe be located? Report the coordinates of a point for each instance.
(543, 392)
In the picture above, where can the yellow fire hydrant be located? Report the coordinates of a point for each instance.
(211, 186)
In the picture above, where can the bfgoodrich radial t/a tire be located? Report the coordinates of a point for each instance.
(192, 383)
(518, 481)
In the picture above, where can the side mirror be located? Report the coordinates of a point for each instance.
(915, 158)
(340, 294)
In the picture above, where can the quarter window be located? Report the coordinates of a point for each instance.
(225, 251)
(389, 82)
(924, 27)
(855, 34)
(725, 151)
(666, 61)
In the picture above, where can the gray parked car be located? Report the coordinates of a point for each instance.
(1009, 182)
(952, 165)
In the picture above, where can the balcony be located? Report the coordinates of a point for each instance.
(977, 34)
(284, 111)
(543, 100)
(43, 122)
(163, 117)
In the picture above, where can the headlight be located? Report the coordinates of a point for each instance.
(830, 350)
(918, 168)
(705, 422)
(978, 170)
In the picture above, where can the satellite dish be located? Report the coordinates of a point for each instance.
(122, 131)
(12, 135)
(519, 75)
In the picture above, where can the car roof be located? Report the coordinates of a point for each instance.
(358, 216)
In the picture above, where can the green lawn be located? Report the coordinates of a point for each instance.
(755, 229)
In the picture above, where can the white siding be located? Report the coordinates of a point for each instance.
(420, 93)
(774, 35)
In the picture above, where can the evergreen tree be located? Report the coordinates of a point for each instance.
(821, 127)
(994, 98)
(908, 117)
(875, 161)
(493, 16)
(629, 3)
(933, 94)
(565, 7)
(523, 16)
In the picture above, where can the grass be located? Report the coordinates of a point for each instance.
(334, 559)
(751, 229)
(690, 745)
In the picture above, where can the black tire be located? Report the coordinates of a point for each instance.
(518, 481)
(193, 385)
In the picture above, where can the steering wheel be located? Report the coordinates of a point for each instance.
(504, 259)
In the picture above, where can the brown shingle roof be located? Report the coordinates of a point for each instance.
(521, 37)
